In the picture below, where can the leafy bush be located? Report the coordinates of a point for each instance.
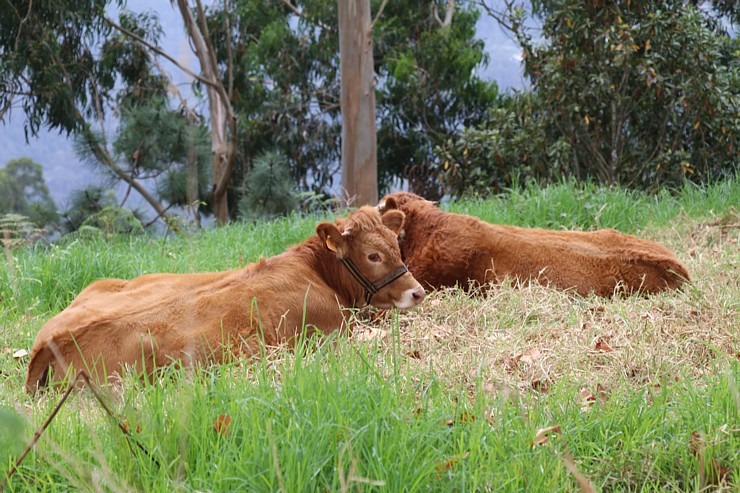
(644, 94)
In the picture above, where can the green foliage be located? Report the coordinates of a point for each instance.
(345, 413)
(268, 188)
(12, 436)
(287, 89)
(513, 144)
(65, 67)
(23, 191)
(114, 220)
(587, 206)
(428, 89)
(15, 230)
(96, 207)
(730, 8)
(285, 85)
(47, 63)
(124, 57)
(640, 93)
(50, 277)
(155, 143)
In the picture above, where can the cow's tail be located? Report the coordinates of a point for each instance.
(677, 273)
(45, 360)
(670, 273)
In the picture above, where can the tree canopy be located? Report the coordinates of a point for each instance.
(635, 92)
(641, 93)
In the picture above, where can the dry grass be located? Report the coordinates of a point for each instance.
(529, 338)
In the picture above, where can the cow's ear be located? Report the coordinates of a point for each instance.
(387, 204)
(332, 238)
(393, 220)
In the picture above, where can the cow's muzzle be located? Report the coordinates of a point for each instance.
(371, 288)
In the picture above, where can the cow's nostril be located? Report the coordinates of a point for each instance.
(419, 293)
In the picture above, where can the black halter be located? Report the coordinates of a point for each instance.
(371, 288)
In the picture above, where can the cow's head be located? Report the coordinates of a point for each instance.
(367, 244)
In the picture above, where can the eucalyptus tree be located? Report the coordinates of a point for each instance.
(285, 60)
(49, 68)
(60, 65)
(284, 64)
(64, 62)
(429, 87)
(359, 141)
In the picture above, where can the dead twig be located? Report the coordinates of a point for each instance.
(86, 379)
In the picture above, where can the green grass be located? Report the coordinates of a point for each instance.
(588, 206)
(338, 415)
(448, 397)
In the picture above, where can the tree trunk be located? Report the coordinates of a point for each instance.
(223, 121)
(191, 176)
(359, 143)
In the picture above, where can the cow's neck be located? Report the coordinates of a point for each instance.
(416, 230)
(348, 291)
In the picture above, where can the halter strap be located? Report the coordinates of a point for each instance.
(371, 288)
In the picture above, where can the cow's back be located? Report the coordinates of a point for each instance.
(599, 261)
(154, 320)
(127, 322)
(444, 249)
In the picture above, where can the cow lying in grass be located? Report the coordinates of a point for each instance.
(444, 249)
(158, 319)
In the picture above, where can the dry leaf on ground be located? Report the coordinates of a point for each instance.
(602, 345)
(451, 462)
(543, 435)
(222, 425)
(587, 399)
(21, 353)
(530, 356)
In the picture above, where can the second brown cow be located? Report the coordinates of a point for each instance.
(444, 249)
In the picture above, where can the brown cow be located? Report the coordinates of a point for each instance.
(445, 249)
(156, 319)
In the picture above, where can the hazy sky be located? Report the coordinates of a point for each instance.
(63, 170)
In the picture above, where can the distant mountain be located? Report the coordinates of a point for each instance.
(64, 172)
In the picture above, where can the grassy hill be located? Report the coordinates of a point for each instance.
(524, 389)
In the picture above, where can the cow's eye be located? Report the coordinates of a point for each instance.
(374, 257)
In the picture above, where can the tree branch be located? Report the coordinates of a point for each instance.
(210, 49)
(229, 52)
(23, 21)
(158, 51)
(377, 16)
(104, 158)
(223, 121)
(449, 9)
(515, 29)
(172, 88)
(499, 17)
(297, 12)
